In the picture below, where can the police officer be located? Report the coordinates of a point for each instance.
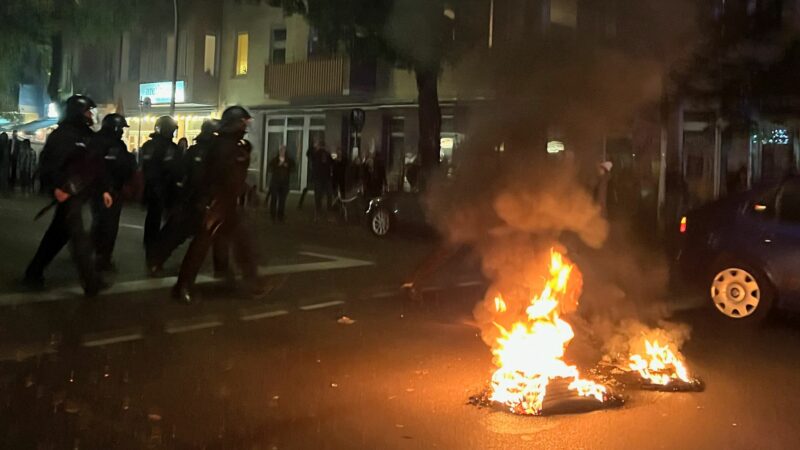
(74, 175)
(119, 168)
(225, 178)
(189, 212)
(157, 177)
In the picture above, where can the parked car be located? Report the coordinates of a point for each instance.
(396, 210)
(745, 251)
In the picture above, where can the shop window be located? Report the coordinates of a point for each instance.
(277, 51)
(318, 122)
(210, 55)
(448, 124)
(296, 121)
(564, 12)
(242, 48)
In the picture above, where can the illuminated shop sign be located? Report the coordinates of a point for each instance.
(161, 92)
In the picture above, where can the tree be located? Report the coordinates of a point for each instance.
(747, 61)
(418, 35)
(35, 35)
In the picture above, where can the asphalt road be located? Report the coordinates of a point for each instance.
(132, 371)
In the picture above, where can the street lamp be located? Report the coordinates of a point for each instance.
(175, 57)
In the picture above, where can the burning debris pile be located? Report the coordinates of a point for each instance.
(530, 354)
(514, 224)
(650, 358)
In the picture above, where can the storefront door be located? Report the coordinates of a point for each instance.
(297, 133)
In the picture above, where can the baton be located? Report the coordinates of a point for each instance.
(44, 210)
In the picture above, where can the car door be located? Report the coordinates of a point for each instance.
(782, 237)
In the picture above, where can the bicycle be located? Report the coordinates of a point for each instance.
(344, 204)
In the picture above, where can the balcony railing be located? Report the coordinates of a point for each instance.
(315, 78)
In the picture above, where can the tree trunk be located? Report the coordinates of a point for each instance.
(430, 122)
(56, 67)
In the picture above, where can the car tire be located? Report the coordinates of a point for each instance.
(740, 292)
(380, 222)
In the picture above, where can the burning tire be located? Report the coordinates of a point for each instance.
(741, 292)
(381, 222)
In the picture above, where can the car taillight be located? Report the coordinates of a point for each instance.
(683, 224)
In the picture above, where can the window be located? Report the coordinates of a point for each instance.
(242, 46)
(277, 46)
(210, 55)
(789, 202)
(564, 12)
(314, 45)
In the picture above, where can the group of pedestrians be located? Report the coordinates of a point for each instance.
(330, 177)
(189, 192)
(17, 163)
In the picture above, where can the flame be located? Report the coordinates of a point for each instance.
(531, 353)
(500, 304)
(660, 365)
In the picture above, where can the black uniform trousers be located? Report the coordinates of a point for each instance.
(322, 188)
(66, 227)
(182, 224)
(277, 201)
(156, 206)
(231, 232)
(105, 227)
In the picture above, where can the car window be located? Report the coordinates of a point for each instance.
(789, 202)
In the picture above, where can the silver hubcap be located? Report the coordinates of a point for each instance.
(380, 223)
(735, 293)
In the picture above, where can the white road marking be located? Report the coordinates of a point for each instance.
(321, 305)
(135, 227)
(332, 263)
(263, 315)
(99, 340)
(470, 283)
(183, 326)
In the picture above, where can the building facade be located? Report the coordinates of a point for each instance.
(729, 134)
(144, 71)
(300, 92)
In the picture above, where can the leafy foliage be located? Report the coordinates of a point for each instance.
(29, 26)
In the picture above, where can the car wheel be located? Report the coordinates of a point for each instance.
(381, 222)
(741, 292)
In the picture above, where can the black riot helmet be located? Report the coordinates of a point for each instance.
(234, 119)
(209, 127)
(166, 126)
(76, 107)
(115, 123)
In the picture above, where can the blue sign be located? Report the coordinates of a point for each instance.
(161, 92)
(30, 99)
